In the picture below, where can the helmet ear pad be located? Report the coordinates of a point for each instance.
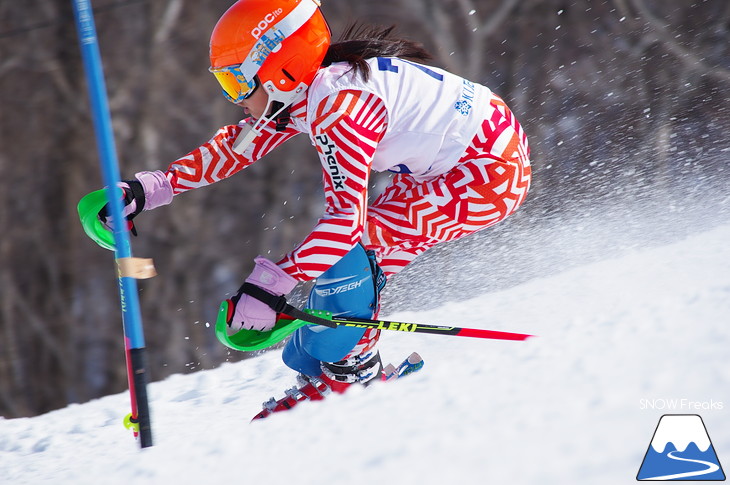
(283, 75)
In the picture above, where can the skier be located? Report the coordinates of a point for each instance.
(460, 158)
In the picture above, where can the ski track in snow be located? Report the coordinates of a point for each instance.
(563, 408)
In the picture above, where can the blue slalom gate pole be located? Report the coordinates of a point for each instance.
(139, 418)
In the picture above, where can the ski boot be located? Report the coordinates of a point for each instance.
(361, 366)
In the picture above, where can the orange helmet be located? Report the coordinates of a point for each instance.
(281, 42)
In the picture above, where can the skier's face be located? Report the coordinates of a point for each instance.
(255, 105)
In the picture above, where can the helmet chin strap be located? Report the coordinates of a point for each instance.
(278, 111)
(283, 117)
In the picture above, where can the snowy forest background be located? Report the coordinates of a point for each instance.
(626, 104)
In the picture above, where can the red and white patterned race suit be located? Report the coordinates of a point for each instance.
(461, 158)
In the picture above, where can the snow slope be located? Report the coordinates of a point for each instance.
(569, 407)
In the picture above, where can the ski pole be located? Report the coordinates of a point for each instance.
(292, 319)
(139, 419)
(423, 328)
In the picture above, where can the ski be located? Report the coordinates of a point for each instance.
(413, 363)
(314, 389)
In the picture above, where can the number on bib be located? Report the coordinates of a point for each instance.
(386, 64)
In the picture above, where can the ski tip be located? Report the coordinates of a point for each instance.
(414, 358)
(412, 363)
(388, 372)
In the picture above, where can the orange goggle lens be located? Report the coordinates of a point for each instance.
(235, 86)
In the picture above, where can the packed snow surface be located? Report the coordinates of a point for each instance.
(621, 342)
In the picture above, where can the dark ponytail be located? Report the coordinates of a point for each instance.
(359, 43)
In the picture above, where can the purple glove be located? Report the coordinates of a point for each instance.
(149, 190)
(253, 314)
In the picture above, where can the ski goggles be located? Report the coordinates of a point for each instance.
(235, 86)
